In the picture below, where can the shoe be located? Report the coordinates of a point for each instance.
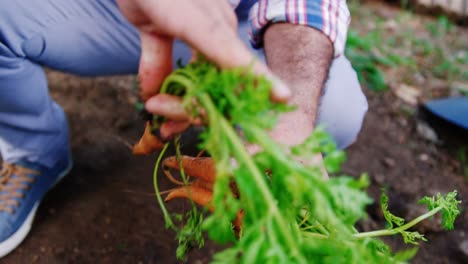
(22, 186)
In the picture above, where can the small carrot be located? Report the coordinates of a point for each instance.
(148, 143)
(202, 197)
(199, 167)
(238, 222)
(202, 184)
(199, 195)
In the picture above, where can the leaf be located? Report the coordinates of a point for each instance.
(349, 201)
(219, 228)
(333, 161)
(448, 205)
(391, 218)
(411, 237)
(405, 255)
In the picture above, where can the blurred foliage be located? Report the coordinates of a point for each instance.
(396, 46)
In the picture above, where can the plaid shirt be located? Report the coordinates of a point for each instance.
(328, 16)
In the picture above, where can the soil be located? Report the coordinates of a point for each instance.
(105, 211)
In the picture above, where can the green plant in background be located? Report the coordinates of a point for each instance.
(369, 55)
(290, 214)
(440, 27)
(431, 50)
(359, 53)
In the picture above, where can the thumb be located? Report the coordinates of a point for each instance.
(155, 63)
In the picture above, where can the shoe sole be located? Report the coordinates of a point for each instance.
(15, 240)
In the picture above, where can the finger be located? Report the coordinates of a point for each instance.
(227, 13)
(171, 128)
(167, 105)
(155, 63)
(132, 11)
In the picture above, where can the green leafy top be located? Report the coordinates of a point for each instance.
(391, 218)
(448, 205)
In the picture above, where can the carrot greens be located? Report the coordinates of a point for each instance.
(290, 213)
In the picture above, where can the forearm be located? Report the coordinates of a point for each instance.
(301, 57)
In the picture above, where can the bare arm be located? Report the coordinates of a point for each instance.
(301, 57)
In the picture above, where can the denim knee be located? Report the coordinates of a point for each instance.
(343, 106)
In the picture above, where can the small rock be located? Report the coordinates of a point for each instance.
(76, 250)
(43, 249)
(389, 162)
(59, 250)
(423, 157)
(438, 86)
(426, 132)
(419, 78)
(35, 258)
(391, 25)
(379, 178)
(408, 94)
(459, 88)
(463, 248)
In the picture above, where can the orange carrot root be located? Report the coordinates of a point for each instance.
(202, 184)
(238, 222)
(199, 167)
(198, 195)
(201, 189)
(202, 196)
(148, 143)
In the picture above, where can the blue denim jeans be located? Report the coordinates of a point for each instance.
(92, 38)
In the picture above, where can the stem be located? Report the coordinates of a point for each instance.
(387, 232)
(314, 235)
(183, 175)
(167, 217)
(243, 157)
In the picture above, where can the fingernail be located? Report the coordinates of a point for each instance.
(152, 104)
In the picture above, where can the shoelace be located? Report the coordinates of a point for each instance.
(11, 187)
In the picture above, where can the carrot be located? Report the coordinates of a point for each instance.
(238, 222)
(202, 196)
(148, 142)
(199, 195)
(199, 167)
(202, 184)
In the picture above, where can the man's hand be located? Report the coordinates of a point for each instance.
(208, 26)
